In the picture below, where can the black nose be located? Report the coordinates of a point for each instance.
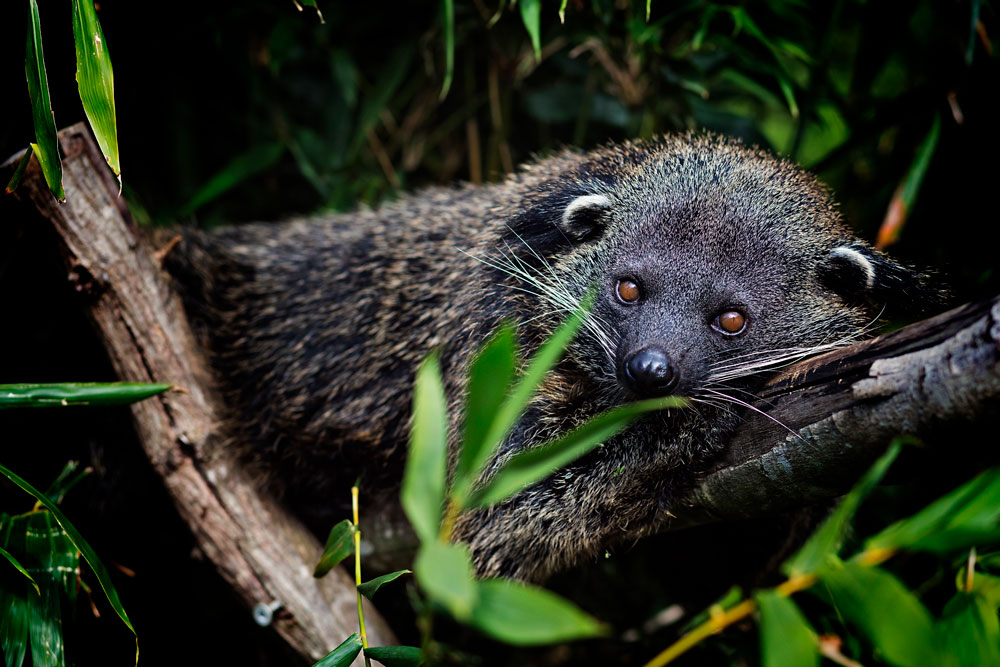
(650, 372)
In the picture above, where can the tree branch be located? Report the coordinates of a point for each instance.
(260, 550)
(844, 408)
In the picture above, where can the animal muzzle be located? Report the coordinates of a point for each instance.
(650, 372)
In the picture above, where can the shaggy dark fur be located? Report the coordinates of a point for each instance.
(316, 326)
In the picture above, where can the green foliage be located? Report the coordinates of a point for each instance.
(339, 545)
(370, 588)
(46, 549)
(76, 393)
(898, 625)
(343, 655)
(95, 79)
(46, 148)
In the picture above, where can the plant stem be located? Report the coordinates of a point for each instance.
(357, 572)
(448, 522)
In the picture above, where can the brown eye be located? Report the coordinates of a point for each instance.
(730, 322)
(628, 291)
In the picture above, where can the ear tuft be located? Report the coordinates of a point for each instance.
(860, 273)
(583, 218)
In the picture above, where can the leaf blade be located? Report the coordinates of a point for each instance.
(95, 79)
(339, 545)
(524, 615)
(31, 395)
(46, 148)
(343, 655)
(424, 477)
(786, 640)
(444, 571)
(369, 588)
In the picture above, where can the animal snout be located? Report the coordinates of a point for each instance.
(651, 372)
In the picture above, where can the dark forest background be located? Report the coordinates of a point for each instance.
(230, 112)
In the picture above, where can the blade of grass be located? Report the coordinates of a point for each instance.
(47, 147)
(96, 80)
(22, 165)
(448, 16)
(76, 393)
(89, 555)
(532, 465)
(508, 414)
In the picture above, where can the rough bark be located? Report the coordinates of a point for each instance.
(263, 552)
(831, 415)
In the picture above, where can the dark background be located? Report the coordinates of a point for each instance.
(257, 111)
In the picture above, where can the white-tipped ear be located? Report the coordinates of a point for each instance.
(851, 261)
(584, 216)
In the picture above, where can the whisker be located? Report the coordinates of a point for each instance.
(755, 409)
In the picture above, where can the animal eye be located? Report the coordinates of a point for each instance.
(730, 322)
(628, 291)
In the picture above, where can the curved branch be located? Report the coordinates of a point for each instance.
(263, 553)
(846, 406)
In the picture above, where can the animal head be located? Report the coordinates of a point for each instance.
(712, 262)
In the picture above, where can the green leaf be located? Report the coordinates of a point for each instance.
(970, 632)
(13, 600)
(67, 479)
(542, 361)
(523, 615)
(343, 655)
(76, 393)
(448, 17)
(529, 466)
(238, 170)
(423, 482)
(490, 377)
(95, 79)
(786, 640)
(17, 565)
(396, 656)
(906, 194)
(339, 545)
(389, 78)
(882, 608)
(444, 571)
(531, 15)
(22, 165)
(966, 516)
(47, 147)
(826, 541)
(81, 544)
(43, 545)
(369, 588)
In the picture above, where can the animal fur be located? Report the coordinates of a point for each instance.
(316, 326)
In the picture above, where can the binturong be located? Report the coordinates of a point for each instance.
(713, 265)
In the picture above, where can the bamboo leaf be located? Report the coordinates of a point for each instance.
(339, 545)
(95, 79)
(906, 193)
(343, 655)
(47, 147)
(523, 615)
(825, 542)
(396, 656)
(237, 171)
(532, 465)
(13, 600)
(880, 606)
(103, 578)
(17, 566)
(448, 16)
(76, 393)
(786, 640)
(531, 16)
(965, 517)
(369, 588)
(44, 617)
(444, 571)
(542, 361)
(424, 478)
(489, 380)
(22, 166)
